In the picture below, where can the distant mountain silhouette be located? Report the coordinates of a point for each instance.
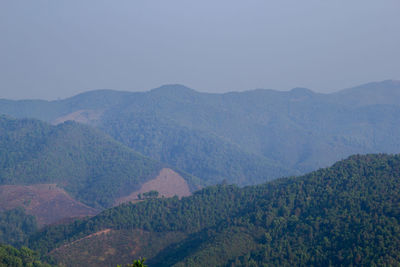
(243, 137)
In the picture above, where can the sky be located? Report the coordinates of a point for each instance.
(55, 49)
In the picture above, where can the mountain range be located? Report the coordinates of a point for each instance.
(180, 177)
(241, 137)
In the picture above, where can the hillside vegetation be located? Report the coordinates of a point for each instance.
(90, 166)
(242, 137)
(16, 226)
(23, 257)
(199, 153)
(344, 215)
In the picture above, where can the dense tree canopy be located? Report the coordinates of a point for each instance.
(24, 257)
(243, 137)
(16, 226)
(347, 214)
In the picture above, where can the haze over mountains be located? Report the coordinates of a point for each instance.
(242, 137)
(159, 130)
(94, 153)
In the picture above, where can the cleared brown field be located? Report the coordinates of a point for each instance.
(168, 184)
(108, 247)
(47, 202)
(86, 116)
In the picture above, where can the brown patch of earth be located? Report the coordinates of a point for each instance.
(85, 116)
(47, 202)
(168, 184)
(102, 232)
(114, 247)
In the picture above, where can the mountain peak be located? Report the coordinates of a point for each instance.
(374, 86)
(375, 93)
(300, 91)
(174, 89)
(98, 93)
(388, 83)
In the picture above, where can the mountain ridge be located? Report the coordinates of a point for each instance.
(291, 132)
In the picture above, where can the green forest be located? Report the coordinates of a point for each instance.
(243, 137)
(23, 257)
(16, 226)
(199, 133)
(88, 164)
(345, 215)
(197, 152)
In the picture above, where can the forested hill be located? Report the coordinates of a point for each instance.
(91, 166)
(242, 137)
(24, 257)
(345, 215)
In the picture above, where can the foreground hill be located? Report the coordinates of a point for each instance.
(10, 256)
(243, 137)
(72, 170)
(346, 215)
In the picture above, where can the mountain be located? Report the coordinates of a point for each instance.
(242, 137)
(73, 170)
(202, 154)
(375, 93)
(344, 215)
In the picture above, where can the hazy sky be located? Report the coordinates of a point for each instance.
(55, 48)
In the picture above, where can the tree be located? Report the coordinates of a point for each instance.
(136, 263)
(151, 194)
